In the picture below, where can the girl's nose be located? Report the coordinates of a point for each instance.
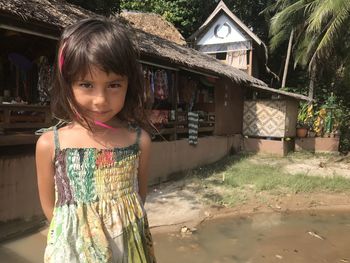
(100, 98)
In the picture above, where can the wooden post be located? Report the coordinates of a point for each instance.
(250, 72)
(7, 113)
(175, 91)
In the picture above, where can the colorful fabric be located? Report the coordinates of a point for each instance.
(98, 215)
(161, 85)
(193, 118)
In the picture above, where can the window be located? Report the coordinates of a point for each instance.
(221, 56)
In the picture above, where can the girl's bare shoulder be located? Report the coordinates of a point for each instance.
(70, 128)
(45, 142)
(145, 139)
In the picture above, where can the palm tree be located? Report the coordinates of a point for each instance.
(319, 27)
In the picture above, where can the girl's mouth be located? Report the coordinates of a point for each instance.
(99, 112)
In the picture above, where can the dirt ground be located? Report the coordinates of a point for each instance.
(173, 205)
(314, 165)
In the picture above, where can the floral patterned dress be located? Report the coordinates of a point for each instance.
(98, 214)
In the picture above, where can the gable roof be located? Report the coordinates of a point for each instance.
(154, 24)
(221, 7)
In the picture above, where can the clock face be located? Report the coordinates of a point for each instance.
(222, 30)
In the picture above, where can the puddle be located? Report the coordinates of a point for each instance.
(296, 237)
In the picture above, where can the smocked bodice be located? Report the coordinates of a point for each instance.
(88, 174)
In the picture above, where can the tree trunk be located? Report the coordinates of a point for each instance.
(312, 84)
(289, 51)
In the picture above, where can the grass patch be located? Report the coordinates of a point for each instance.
(230, 180)
(267, 178)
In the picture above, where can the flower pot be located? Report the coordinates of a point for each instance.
(301, 132)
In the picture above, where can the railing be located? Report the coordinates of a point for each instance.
(21, 116)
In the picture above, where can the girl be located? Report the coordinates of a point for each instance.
(92, 173)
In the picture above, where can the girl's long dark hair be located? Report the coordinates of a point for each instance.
(108, 45)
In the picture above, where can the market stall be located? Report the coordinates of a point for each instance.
(181, 103)
(25, 77)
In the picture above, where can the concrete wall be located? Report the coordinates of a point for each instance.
(175, 156)
(317, 144)
(278, 147)
(19, 198)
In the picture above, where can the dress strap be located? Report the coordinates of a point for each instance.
(138, 135)
(57, 141)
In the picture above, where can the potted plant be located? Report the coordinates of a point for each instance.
(304, 120)
(302, 129)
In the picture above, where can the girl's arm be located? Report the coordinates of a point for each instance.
(145, 145)
(45, 173)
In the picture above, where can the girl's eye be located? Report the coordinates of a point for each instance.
(85, 85)
(115, 85)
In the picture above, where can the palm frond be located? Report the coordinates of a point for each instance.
(276, 7)
(333, 30)
(288, 16)
(318, 25)
(279, 38)
(324, 11)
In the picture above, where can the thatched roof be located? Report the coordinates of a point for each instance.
(59, 13)
(187, 57)
(154, 24)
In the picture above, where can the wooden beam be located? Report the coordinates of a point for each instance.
(250, 69)
(18, 139)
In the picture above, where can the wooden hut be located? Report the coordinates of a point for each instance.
(224, 36)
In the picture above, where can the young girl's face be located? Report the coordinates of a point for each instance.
(101, 95)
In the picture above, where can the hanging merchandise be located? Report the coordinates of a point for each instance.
(171, 84)
(21, 62)
(159, 118)
(44, 80)
(161, 85)
(188, 90)
(22, 66)
(151, 77)
(149, 87)
(193, 119)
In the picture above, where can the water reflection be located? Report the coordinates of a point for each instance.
(296, 237)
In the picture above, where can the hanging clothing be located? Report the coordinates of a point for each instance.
(161, 89)
(44, 80)
(193, 119)
(149, 89)
(22, 66)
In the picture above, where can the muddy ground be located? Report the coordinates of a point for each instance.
(173, 205)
